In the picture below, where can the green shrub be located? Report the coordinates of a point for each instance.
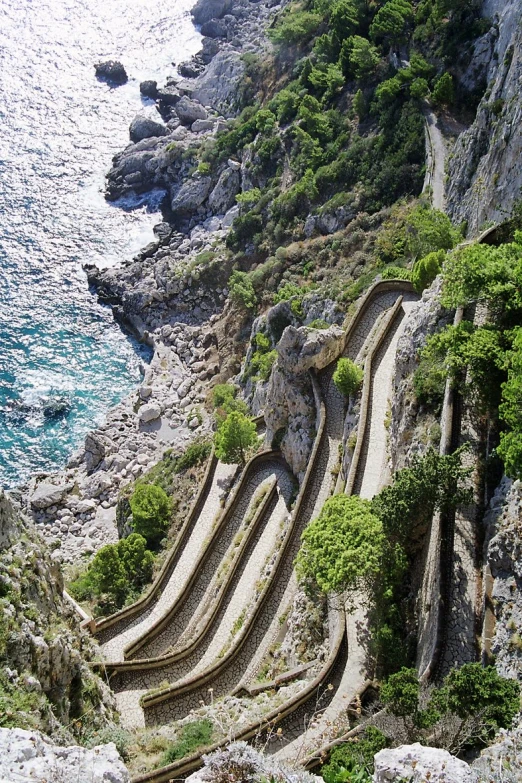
(151, 511)
(343, 546)
(242, 291)
(443, 92)
(295, 27)
(235, 435)
(116, 573)
(347, 377)
(192, 737)
(426, 270)
(195, 454)
(318, 323)
(396, 273)
(355, 758)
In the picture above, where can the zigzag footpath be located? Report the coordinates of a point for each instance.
(115, 633)
(318, 484)
(242, 568)
(319, 719)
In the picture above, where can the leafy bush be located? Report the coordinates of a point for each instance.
(116, 573)
(426, 270)
(343, 546)
(396, 273)
(510, 448)
(195, 454)
(242, 291)
(392, 21)
(479, 699)
(318, 323)
(295, 27)
(235, 435)
(151, 511)
(347, 376)
(432, 482)
(355, 757)
(192, 737)
(443, 90)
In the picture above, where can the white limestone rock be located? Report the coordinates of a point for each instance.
(29, 755)
(46, 495)
(300, 349)
(149, 412)
(417, 764)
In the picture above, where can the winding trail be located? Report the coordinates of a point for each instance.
(435, 160)
(318, 721)
(115, 639)
(204, 650)
(189, 660)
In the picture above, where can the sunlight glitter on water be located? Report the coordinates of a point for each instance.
(63, 360)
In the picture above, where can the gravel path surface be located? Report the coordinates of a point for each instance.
(114, 648)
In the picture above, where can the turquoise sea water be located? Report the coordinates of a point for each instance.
(63, 360)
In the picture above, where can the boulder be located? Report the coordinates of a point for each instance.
(300, 349)
(189, 111)
(149, 89)
(205, 10)
(147, 124)
(209, 48)
(214, 28)
(200, 126)
(111, 71)
(218, 86)
(191, 195)
(47, 495)
(29, 755)
(168, 96)
(417, 764)
(223, 197)
(230, 216)
(94, 451)
(149, 412)
(190, 69)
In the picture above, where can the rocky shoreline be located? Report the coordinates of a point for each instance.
(173, 294)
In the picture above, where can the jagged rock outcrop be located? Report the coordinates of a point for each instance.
(300, 349)
(290, 410)
(502, 761)
(28, 755)
(504, 557)
(147, 124)
(218, 86)
(205, 10)
(417, 764)
(45, 682)
(111, 71)
(484, 173)
(411, 431)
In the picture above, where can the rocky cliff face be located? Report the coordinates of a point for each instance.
(504, 557)
(45, 681)
(484, 174)
(28, 755)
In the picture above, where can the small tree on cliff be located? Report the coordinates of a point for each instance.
(343, 546)
(235, 435)
(347, 376)
(151, 510)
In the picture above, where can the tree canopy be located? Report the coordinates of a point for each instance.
(235, 435)
(151, 509)
(348, 376)
(343, 546)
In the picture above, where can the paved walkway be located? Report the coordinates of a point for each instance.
(113, 649)
(435, 160)
(373, 466)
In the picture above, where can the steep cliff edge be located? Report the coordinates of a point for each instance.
(45, 682)
(484, 174)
